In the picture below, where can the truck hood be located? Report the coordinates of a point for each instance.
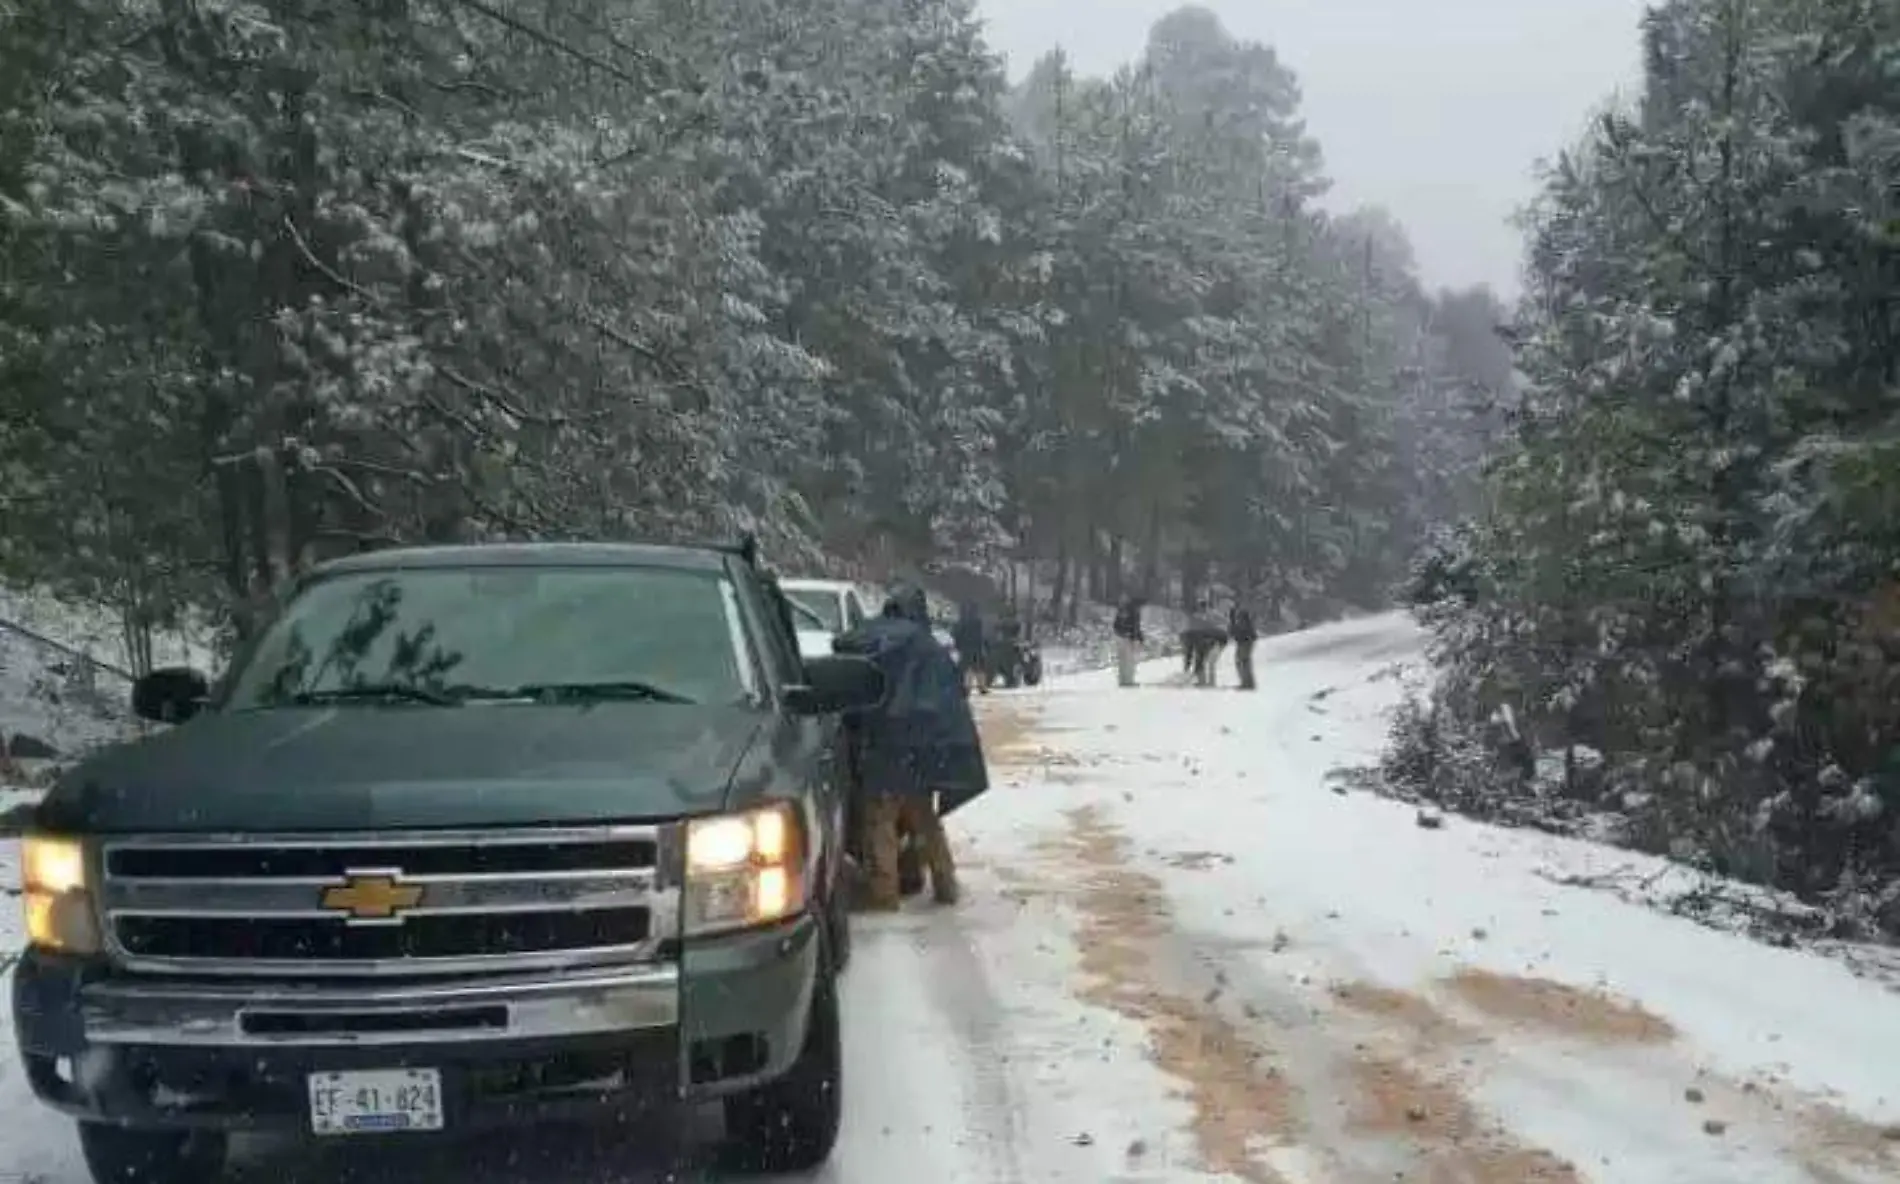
(362, 768)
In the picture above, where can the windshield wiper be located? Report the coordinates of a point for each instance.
(622, 691)
(384, 692)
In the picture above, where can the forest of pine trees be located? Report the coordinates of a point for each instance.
(287, 279)
(1680, 606)
(280, 280)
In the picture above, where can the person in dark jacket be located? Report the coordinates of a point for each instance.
(1240, 628)
(918, 750)
(967, 633)
(1004, 651)
(1203, 640)
(1128, 639)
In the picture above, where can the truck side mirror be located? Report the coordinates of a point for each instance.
(170, 694)
(837, 683)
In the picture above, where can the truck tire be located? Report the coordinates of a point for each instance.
(792, 1124)
(119, 1155)
(838, 924)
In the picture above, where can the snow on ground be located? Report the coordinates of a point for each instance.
(39, 700)
(1089, 644)
(96, 631)
(1184, 955)
(1478, 986)
(1343, 994)
(49, 697)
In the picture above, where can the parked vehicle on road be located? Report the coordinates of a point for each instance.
(467, 835)
(1013, 662)
(825, 608)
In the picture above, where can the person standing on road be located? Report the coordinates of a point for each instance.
(1127, 629)
(1203, 640)
(1004, 651)
(1240, 628)
(1210, 660)
(919, 743)
(967, 633)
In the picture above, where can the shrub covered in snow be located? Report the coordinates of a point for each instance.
(1677, 608)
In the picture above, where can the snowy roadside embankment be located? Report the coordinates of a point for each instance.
(97, 632)
(51, 706)
(1587, 850)
(64, 686)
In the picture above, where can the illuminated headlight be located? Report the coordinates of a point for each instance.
(744, 869)
(59, 913)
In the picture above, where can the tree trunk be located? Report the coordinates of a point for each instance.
(1194, 567)
(1061, 584)
(1151, 554)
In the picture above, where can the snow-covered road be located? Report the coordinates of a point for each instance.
(1184, 956)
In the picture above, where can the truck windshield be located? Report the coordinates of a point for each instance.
(442, 637)
(822, 605)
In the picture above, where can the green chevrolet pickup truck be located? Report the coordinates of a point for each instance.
(465, 835)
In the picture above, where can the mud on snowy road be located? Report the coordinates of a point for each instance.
(1281, 1091)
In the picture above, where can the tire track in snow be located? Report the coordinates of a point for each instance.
(959, 988)
(1830, 1145)
(1384, 1092)
(1238, 1101)
(1417, 1056)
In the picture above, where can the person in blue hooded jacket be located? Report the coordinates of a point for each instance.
(919, 755)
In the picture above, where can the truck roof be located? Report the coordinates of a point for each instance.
(817, 585)
(693, 558)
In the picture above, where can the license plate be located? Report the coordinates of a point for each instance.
(375, 1101)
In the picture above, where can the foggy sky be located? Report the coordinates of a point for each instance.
(1437, 111)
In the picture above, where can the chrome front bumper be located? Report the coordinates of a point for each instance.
(235, 1015)
(164, 1052)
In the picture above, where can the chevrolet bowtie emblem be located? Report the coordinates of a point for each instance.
(371, 897)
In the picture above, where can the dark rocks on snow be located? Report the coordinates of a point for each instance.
(28, 748)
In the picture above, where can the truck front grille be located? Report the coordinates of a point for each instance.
(411, 903)
(266, 861)
(296, 939)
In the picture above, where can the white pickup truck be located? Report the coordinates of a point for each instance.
(822, 609)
